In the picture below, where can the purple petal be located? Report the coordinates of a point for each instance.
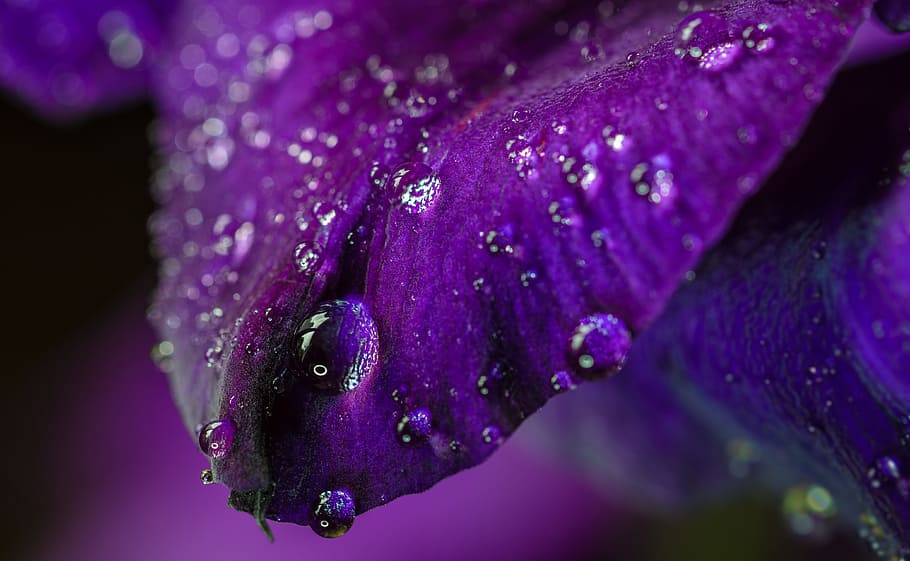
(797, 326)
(64, 56)
(129, 472)
(382, 242)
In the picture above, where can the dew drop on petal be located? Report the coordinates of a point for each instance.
(414, 427)
(336, 347)
(561, 382)
(491, 435)
(415, 186)
(719, 57)
(599, 345)
(216, 438)
(333, 513)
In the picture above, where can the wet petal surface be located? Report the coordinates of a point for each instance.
(797, 328)
(381, 242)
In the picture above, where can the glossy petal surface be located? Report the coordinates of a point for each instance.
(64, 57)
(497, 196)
(797, 328)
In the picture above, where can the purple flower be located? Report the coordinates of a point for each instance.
(389, 232)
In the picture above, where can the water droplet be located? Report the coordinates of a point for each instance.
(599, 346)
(207, 477)
(414, 427)
(337, 346)
(758, 38)
(885, 470)
(720, 56)
(379, 174)
(333, 513)
(415, 186)
(491, 435)
(561, 382)
(520, 115)
(216, 438)
(704, 38)
(306, 258)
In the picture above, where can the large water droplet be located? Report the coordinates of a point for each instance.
(414, 427)
(336, 346)
(415, 186)
(599, 345)
(216, 437)
(333, 513)
(705, 38)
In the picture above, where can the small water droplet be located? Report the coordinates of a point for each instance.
(333, 514)
(561, 382)
(216, 438)
(306, 258)
(207, 477)
(704, 38)
(599, 346)
(758, 38)
(414, 427)
(491, 435)
(336, 346)
(415, 186)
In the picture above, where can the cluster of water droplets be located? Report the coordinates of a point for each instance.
(708, 41)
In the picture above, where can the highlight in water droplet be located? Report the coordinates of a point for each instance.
(599, 345)
(216, 438)
(333, 513)
(337, 346)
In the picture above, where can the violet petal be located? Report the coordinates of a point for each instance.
(483, 201)
(65, 57)
(796, 328)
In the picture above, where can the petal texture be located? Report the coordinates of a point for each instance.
(797, 328)
(385, 244)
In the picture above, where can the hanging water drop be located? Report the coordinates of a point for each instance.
(207, 477)
(216, 438)
(337, 346)
(333, 514)
(599, 345)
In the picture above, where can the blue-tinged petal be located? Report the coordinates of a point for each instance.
(66, 56)
(383, 241)
(796, 328)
